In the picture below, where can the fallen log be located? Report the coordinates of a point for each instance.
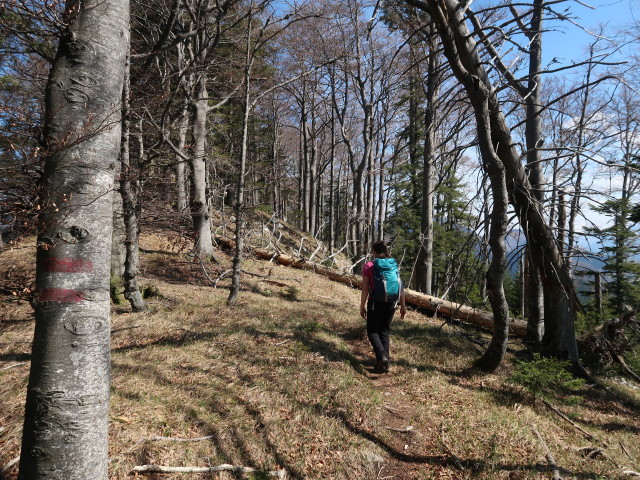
(211, 469)
(437, 306)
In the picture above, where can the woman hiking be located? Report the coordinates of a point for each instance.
(381, 292)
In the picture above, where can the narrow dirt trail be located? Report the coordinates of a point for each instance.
(413, 445)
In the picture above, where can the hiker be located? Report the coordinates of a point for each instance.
(381, 291)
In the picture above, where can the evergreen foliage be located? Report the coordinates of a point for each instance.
(458, 270)
(546, 378)
(619, 248)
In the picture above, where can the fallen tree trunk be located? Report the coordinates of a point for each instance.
(212, 469)
(435, 305)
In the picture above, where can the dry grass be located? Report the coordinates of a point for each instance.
(283, 380)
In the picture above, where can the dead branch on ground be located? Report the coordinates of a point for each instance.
(547, 454)
(587, 435)
(211, 469)
(117, 330)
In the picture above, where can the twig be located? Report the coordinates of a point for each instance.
(587, 435)
(158, 438)
(407, 429)
(591, 452)
(320, 244)
(631, 473)
(626, 452)
(124, 328)
(449, 451)
(315, 251)
(277, 284)
(300, 249)
(394, 411)
(622, 363)
(547, 454)
(222, 275)
(206, 273)
(10, 464)
(212, 469)
(192, 332)
(12, 366)
(330, 257)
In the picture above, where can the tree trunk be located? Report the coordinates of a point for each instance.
(118, 251)
(182, 190)
(425, 255)
(332, 222)
(129, 207)
(240, 185)
(495, 275)
(598, 293)
(66, 416)
(181, 166)
(199, 202)
(533, 127)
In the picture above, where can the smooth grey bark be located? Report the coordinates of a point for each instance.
(240, 185)
(183, 176)
(560, 298)
(129, 206)
(332, 225)
(199, 202)
(425, 254)
(494, 354)
(306, 160)
(65, 433)
(312, 187)
(118, 252)
(181, 166)
(533, 135)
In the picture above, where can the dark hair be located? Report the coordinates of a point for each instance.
(380, 248)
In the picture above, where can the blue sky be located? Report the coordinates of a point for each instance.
(568, 43)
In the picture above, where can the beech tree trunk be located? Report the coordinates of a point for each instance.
(425, 255)
(533, 128)
(495, 275)
(129, 197)
(66, 415)
(182, 130)
(240, 185)
(118, 253)
(199, 201)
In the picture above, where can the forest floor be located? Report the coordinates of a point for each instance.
(284, 381)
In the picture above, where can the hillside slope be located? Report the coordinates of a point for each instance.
(284, 381)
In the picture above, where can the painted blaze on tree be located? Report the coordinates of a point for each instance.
(65, 430)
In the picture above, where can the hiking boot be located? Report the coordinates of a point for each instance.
(382, 365)
(379, 367)
(385, 364)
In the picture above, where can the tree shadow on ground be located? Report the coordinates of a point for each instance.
(231, 445)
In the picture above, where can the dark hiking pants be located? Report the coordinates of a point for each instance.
(379, 317)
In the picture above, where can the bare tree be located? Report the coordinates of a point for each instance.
(463, 57)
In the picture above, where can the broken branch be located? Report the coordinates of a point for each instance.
(587, 435)
(407, 429)
(547, 454)
(212, 469)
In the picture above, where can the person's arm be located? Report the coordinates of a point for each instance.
(403, 305)
(364, 295)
